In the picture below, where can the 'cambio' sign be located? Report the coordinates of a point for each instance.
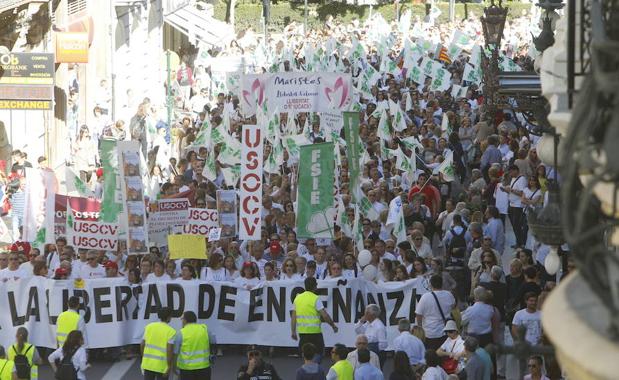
(251, 183)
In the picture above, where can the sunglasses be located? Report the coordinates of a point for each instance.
(91, 259)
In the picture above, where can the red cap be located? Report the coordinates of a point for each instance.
(61, 272)
(247, 264)
(275, 247)
(111, 264)
(99, 172)
(21, 246)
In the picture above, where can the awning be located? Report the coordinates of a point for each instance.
(199, 26)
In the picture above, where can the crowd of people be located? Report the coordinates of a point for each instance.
(457, 229)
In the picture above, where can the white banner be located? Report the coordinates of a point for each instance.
(116, 312)
(41, 185)
(297, 92)
(169, 214)
(201, 221)
(250, 214)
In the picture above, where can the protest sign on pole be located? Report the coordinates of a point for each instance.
(297, 91)
(251, 183)
(58, 223)
(200, 222)
(115, 313)
(40, 184)
(315, 192)
(85, 230)
(226, 207)
(132, 190)
(166, 215)
(351, 131)
(111, 205)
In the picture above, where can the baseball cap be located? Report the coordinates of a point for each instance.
(275, 247)
(110, 264)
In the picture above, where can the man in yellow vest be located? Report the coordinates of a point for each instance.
(6, 366)
(68, 321)
(342, 369)
(194, 351)
(306, 312)
(158, 347)
(24, 356)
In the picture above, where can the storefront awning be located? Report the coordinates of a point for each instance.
(199, 26)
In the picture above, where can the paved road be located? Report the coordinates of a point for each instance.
(224, 368)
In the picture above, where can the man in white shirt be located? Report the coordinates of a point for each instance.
(529, 317)
(13, 271)
(410, 344)
(28, 266)
(375, 330)
(516, 212)
(479, 316)
(93, 269)
(362, 343)
(432, 311)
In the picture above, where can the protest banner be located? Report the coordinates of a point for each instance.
(88, 208)
(166, 215)
(187, 247)
(226, 207)
(40, 185)
(111, 205)
(132, 189)
(351, 132)
(84, 230)
(297, 91)
(200, 222)
(250, 214)
(315, 192)
(331, 124)
(115, 313)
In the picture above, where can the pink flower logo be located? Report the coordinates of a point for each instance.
(255, 86)
(339, 83)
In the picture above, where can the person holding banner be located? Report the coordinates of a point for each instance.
(157, 347)
(307, 311)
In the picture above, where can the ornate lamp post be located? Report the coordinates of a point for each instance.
(546, 38)
(493, 22)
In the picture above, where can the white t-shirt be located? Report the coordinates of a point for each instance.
(533, 323)
(7, 274)
(247, 283)
(79, 360)
(434, 373)
(433, 322)
(213, 275)
(88, 272)
(519, 183)
(153, 278)
(502, 199)
(28, 267)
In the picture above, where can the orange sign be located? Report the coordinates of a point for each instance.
(71, 47)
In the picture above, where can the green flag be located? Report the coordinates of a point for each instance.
(315, 191)
(351, 132)
(110, 208)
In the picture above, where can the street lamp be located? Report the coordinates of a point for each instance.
(546, 38)
(492, 23)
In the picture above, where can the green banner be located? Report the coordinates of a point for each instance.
(351, 130)
(315, 191)
(111, 205)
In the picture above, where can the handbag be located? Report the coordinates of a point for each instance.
(450, 365)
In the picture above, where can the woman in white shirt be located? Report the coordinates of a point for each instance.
(188, 273)
(215, 271)
(73, 347)
(532, 194)
(350, 269)
(289, 270)
(453, 347)
(334, 270)
(230, 266)
(433, 367)
(159, 273)
(170, 269)
(249, 276)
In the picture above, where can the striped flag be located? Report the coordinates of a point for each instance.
(443, 55)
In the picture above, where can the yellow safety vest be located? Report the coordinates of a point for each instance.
(195, 349)
(156, 338)
(34, 370)
(6, 369)
(308, 318)
(67, 322)
(344, 370)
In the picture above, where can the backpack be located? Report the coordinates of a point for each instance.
(22, 365)
(457, 245)
(65, 368)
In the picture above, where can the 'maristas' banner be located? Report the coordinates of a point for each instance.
(297, 92)
(116, 312)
